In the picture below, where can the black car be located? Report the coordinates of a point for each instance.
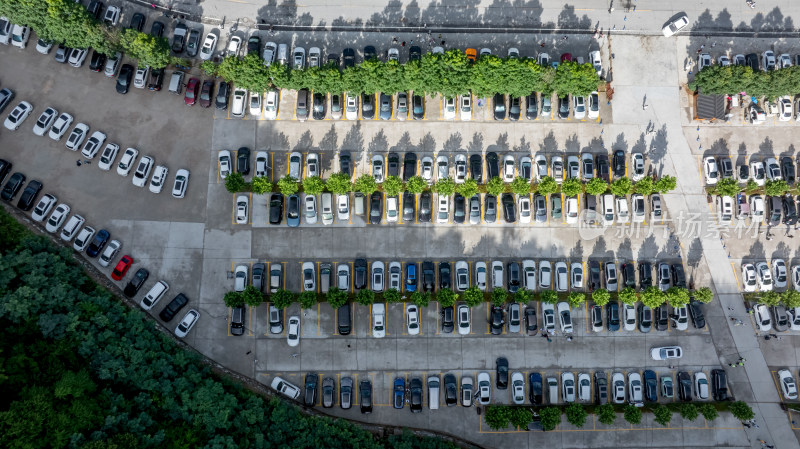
(612, 316)
(696, 313)
(223, 91)
(600, 387)
(719, 385)
(476, 168)
(418, 107)
(157, 29)
(179, 38)
(509, 211)
(409, 166)
(367, 106)
(450, 390)
(173, 307)
(414, 53)
(193, 43)
(319, 108)
(425, 207)
(628, 275)
(448, 319)
(393, 165)
(156, 79)
(532, 110)
(98, 61)
(661, 318)
(370, 53)
(535, 388)
(619, 163)
(650, 386)
(5, 167)
(333, 60)
(459, 208)
(408, 207)
(344, 162)
(360, 278)
(684, 386)
(375, 208)
(501, 375)
(416, 394)
(28, 198)
(276, 209)
(310, 394)
(789, 210)
(12, 186)
(752, 61)
(678, 276)
(563, 107)
(787, 170)
(95, 9)
(243, 161)
(594, 275)
(136, 282)
(124, 78)
(427, 276)
(530, 320)
(444, 275)
(137, 22)
(645, 275)
(349, 57)
(513, 280)
(253, 44)
(515, 108)
(496, 320)
(492, 164)
(602, 167)
(98, 243)
(365, 395)
(499, 102)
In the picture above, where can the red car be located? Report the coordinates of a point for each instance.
(122, 267)
(206, 93)
(566, 57)
(191, 92)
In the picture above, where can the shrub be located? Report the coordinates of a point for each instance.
(549, 296)
(339, 183)
(523, 296)
(601, 296)
(365, 297)
(653, 297)
(633, 414)
(446, 297)
(473, 296)
(727, 187)
(704, 295)
(421, 299)
(741, 411)
(233, 299)
(288, 185)
(497, 416)
(282, 298)
(708, 411)
(547, 186)
(576, 414)
(313, 185)
(365, 184)
(576, 299)
(260, 185)
(416, 185)
(499, 296)
(307, 299)
(606, 414)
(628, 296)
(393, 186)
(550, 417)
(596, 186)
(520, 417)
(677, 296)
(495, 186)
(666, 184)
(688, 411)
(520, 186)
(776, 188)
(770, 298)
(571, 187)
(444, 187)
(791, 298)
(234, 182)
(621, 186)
(468, 189)
(252, 296)
(662, 414)
(336, 298)
(392, 296)
(645, 186)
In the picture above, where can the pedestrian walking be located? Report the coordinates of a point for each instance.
(394, 40)
(412, 42)
(442, 42)
(403, 44)
(566, 37)
(741, 363)
(746, 425)
(646, 106)
(713, 45)
(732, 365)
(78, 162)
(702, 46)
(542, 45)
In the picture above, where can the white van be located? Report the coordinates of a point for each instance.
(608, 209)
(327, 208)
(176, 82)
(154, 295)
(552, 390)
(283, 54)
(237, 105)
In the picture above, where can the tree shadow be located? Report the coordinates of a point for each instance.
(500, 145)
(782, 251)
(640, 146)
(403, 145)
(648, 248)
(624, 250)
(523, 147)
(549, 144)
(305, 142)
(379, 143)
(600, 251)
(328, 144)
(765, 148)
(284, 13)
(572, 145)
(756, 253)
(453, 143)
(354, 142)
(427, 144)
(476, 145)
(694, 254)
(576, 252)
(658, 149)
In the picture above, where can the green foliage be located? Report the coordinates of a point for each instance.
(282, 298)
(621, 186)
(335, 297)
(633, 414)
(653, 297)
(596, 186)
(499, 296)
(393, 186)
(791, 298)
(576, 299)
(365, 184)
(704, 295)
(661, 414)
(776, 188)
(645, 186)
(547, 186)
(666, 184)
(339, 183)
(421, 299)
(495, 186)
(734, 78)
(606, 414)
(288, 185)
(571, 187)
(416, 185)
(573, 78)
(234, 182)
(741, 411)
(751, 187)
(628, 296)
(497, 416)
(313, 185)
(677, 296)
(550, 417)
(259, 186)
(149, 50)
(770, 298)
(446, 297)
(252, 296)
(688, 411)
(576, 414)
(473, 296)
(548, 296)
(365, 297)
(307, 299)
(523, 296)
(601, 296)
(444, 187)
(468, 189)
(392, 295)
(520, 186)
(727, 187)
(708, 411)
(520, 417)
(233, 299)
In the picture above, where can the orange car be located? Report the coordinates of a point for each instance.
(472, 54)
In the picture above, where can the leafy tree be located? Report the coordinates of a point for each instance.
(791, 298)
(576, 299)
(523, 296)
(234, 183)
(421, 299)
(548, 296)
(547, 186)
(282, 298)
(252, 296)
(520, 186)
(653, 297)
(741, 411)
(468, 189)
(677, 296)
(621, 186)
(708, 411)
(313, 185)
(666, 184)
(645, 186)
(497, 416)
(633, 414)
(339, 183)
(444, 187)
(473, 296)
(288, 185)
(393, 186)
(776, 188)
(550, 417)
(416, 185)
(601, 296)
(495, 186)
(688, 411)
(628, 296)
(233, 299)
(770, 298)
(571, 187)
(336, 298)
(596, 186)
(606, 414)
(751, 187)
(392, 296)
(661, 414)
(704, 295)
(576, 414)
(365, 184)
(446, 297)
(520, 417)
(727, 187)
(499, 296)
(148, 50)
(259, 186)
(307, 299)
(365, 297)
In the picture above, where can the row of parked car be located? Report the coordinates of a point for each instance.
(776, 318)
(760, 171)
(758, 276)
(535, 388)
(774, 211)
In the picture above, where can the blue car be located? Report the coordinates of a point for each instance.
(535, 385)
(411, 277)
(98, 243)
(650, 386)
(399, 393)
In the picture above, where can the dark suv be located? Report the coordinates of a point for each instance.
(645, 275)
(444, 275)
(173, 307)
(789, 210)
(719, 385)
(156, 79)
(427, 276)
(513, 277)
(612, 314)
(409, 166)
(684, 386)
(628, 274)
(360, 278)
(136, 282)
(310, 394)
(448, 323)
(678, 276)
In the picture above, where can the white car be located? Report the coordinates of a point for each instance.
(540, 166)
(460, 164)
(187, 323)
(77, 56)
(262, 163)
(71, 227)
(83, 238)
(526, 168)
(240, 278)
(57, 218)
(725, 208)
(579, 107)
(378, 276)
(623, 214)
(557, 163)
(788, 385)
(543, 59)
(764, 277)
(618, 388)
(785, 109)
(111, 16)
(20, 35)
(181, 180)
(234, 45)
(772, 169)
(549, 317)
(518, 388)
(18, 115)
(140, 78)
(666, 352)
(497, 274)
(635, 395)
(142, 171)
(242, 209)
(784, 61)
(607, 214)
(343, 207)
(271, 104)
(571, 211)
(42, 208)
(466, 107)
(225, 164)
(749, 277)
(378, 168)
(710, 170)
(395, 276)
(794, 316)
(412, 319)
(561, 275)
(564, 317)
(524, 204)
(545, 275)
(449, 109)
(675, 25)
(584, 387)
(237, 104)
(310, 208)
(158, 179)
(768, 60)
(43, 46)
(343, 277)
(462, 314)
(299, 58)
(283, 387)
(254, 104)
(351, 107)
(796, 277)
(568, 387)
(76, 137)
(443, 209)
(426, 169)
(757, 208)
(92, 146)
(637, 164)
(154, 295)
(392, 209)
(508, 168)
(703, 61)
(314, 57)
(594, 105)
(293, 336)
(378, 320)
(629, 317)
(209, 45)
(295, 163)
(484, 388)
(597, 63)
(45, 121)
(762, 317)
(576, 276)
(680, 317)
(270, 49)
(312, 165)
(573, 167)
(638, 203)
(112, 63)
(701, 385)
(780, 273)
(109, 253)
(481, 274)
(60, 127)
(758, 172)
(309, 277)
(529, 275)
(393, 54)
